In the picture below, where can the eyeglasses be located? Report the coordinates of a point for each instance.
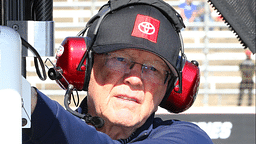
(123, 64)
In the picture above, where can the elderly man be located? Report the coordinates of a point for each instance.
(134, 54)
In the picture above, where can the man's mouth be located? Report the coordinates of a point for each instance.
(127, 98)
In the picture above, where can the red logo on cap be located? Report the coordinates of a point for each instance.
(146, 27)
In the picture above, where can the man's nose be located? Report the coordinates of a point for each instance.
(133, 76)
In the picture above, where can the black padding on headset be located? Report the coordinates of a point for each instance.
(169, 89)
(165, 8)
(89, 64)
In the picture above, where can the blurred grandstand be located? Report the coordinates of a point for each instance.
(217, 51)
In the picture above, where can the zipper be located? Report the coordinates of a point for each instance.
(141, 136)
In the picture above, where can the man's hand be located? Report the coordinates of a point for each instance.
(33, 99)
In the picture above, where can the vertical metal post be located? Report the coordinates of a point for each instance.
(206, 51)
(1, 12)
(93, 7)
(15, 11)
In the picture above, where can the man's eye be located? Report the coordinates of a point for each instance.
(120, 59)
(153, 69)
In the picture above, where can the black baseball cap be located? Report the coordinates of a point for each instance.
(141, 27)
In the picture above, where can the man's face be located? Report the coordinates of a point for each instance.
(126, 97)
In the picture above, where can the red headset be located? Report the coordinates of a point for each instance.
(74, 63)
(72, 50)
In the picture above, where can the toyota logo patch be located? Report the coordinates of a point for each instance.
(146, 27)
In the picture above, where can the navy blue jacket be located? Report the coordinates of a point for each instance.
(52, 124)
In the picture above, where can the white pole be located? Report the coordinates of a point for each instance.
(10, 86)
(206, 51)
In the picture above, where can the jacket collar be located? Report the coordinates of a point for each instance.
(139, 134)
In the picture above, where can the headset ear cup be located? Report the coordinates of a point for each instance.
(67, 61)
(171, 85)
(179, 102)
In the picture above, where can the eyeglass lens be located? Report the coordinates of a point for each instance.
(121, 65)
